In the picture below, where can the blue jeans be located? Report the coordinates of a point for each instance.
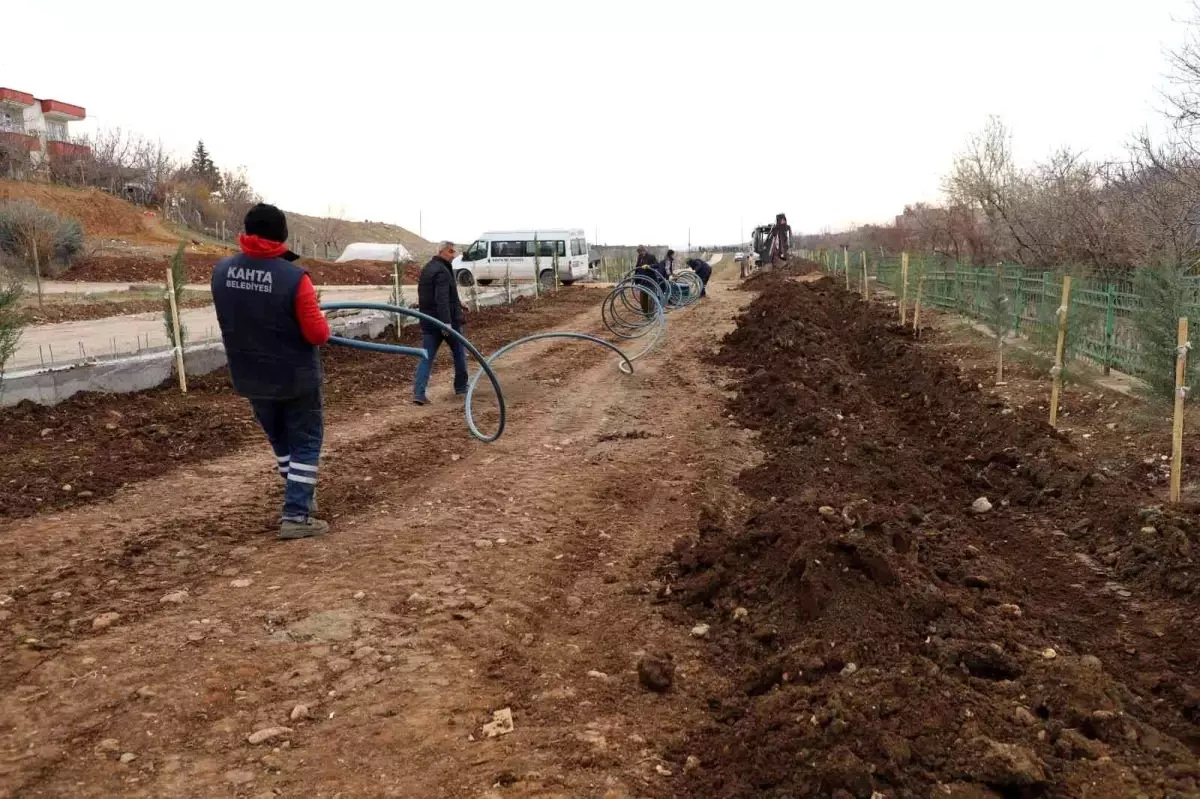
(431, 340)
(295, 428)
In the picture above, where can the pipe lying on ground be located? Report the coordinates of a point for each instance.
(622, 312)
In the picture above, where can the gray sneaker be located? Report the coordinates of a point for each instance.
(290, 529)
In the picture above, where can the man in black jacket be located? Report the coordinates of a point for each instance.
(644, 257)
(703, 271)
(437, 296)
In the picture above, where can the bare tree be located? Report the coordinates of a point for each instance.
(332, 229)
(1183, 96)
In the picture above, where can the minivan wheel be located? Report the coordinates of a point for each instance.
(546, 281)
(465, 278)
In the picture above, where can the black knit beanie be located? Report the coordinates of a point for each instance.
(266, 222)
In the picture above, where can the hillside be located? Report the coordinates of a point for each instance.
(117, 227)
(308, 229)
(102, 215)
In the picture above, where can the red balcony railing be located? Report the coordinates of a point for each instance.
(66, 149)
(16, 139)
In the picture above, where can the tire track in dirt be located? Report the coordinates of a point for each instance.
(189, 542)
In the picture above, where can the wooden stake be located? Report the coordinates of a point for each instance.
(1000, 333)
(1058, 350)
(866, 277)
(1180, 395)
(399, 295)
(846, 265)
(37, 265)
(175, 329)
(917, 304)
(903, 287)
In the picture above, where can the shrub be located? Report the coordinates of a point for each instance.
(998, 315)
(1162, 299)
(26, 229)
(1080, 319)
(11, 321)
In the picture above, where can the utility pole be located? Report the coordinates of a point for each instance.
(689, 249)
(421, 223)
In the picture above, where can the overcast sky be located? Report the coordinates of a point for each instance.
(633, 120)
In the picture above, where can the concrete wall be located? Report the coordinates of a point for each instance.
(50, 386)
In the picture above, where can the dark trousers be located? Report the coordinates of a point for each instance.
(295, 427)
(431, 340)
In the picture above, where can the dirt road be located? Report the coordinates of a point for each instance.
(755, 568)
(462, 579)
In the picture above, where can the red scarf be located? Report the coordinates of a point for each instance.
(257, 247)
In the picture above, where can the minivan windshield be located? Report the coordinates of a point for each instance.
(476, 252)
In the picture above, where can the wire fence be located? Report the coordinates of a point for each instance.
(1103, 329)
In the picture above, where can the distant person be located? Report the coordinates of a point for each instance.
(437, 296)
(272, 326)
(644, 257)
(781, 236)
(662, 267)
(703, 271)
(649, 278)
(669, 263)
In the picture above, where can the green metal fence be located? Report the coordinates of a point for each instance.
(1100, 316)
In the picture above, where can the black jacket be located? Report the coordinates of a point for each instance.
(654, 274)
(437, 294)
(701, 267)
(645, 259)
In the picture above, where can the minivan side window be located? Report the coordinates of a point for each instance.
(476, 252)
(545, 248)
(508, 249)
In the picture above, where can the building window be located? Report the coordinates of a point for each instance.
(56, 131)
(11, 120)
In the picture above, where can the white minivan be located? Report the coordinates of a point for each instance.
(512, 254)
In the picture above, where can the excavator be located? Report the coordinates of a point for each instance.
(771, 243)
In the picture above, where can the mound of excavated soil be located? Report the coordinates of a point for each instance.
(54, 313)
(887, 638)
